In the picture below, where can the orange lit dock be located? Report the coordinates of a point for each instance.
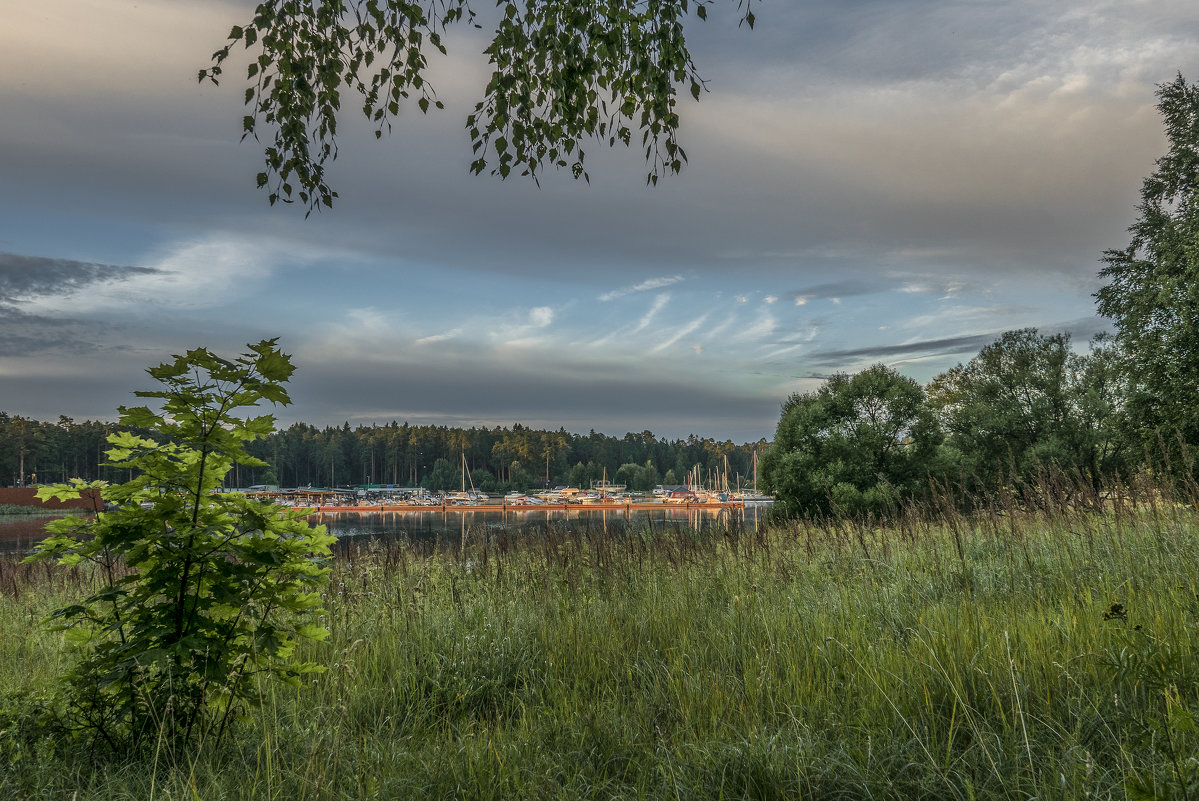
(526, 507)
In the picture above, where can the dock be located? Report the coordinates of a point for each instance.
(526, 507)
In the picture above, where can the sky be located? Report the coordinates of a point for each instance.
(869, 181)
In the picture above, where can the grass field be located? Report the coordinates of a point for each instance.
(1007, 655)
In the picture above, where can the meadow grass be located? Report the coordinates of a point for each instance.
(1009, 654)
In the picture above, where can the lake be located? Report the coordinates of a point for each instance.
(437, 524)
(18, 533)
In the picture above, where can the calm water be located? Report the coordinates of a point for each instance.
(437, 524)
(19, 533)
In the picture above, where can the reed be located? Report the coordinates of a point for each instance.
(1019, 650)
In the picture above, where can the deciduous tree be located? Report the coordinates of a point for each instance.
(564, 72)
(1152, 294)
(855, 445)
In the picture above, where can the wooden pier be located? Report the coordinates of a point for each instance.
(527, 507)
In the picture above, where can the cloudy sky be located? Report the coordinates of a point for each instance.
(869, 181)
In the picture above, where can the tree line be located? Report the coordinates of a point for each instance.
(432, 457)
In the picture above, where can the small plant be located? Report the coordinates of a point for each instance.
(201, 593)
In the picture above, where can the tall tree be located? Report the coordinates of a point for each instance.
(1028, 402)
(1007, 409)
(563, 72)
(1152, 293)
(855, 445)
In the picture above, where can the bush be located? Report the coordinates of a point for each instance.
(201, 593)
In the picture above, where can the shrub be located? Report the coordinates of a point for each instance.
(201, 593)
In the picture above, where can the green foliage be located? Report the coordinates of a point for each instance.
(444, 477)
(855, 446)
(1026, 403)
(564, 71)
(201, 594)
(1152, 293)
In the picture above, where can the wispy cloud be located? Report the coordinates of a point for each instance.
(686, 330)
(762, 327)
(644, 286)
(524, 328)
(945, 346)
(973, 316)
(201, 273)
(1080, 330)
(442, 337)
(23, 278)
(659, 303)
(848, 288)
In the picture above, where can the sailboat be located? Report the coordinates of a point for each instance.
(755, 496)
(462, 497)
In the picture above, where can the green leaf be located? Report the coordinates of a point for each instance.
(311, 631)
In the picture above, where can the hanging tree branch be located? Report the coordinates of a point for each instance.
(563, 72)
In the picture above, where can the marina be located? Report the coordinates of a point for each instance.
(524, 508)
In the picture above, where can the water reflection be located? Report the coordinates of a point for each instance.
(20, 532)
(437, 524)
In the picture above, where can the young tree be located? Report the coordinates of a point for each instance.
(202, 593)
(564, 71)
(855, 445)
(1152, 293)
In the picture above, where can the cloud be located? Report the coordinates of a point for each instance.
(614, 400)
(945, 346)
(23, 335)
(644, 286)
(683, 331)
(659, 303)
(27, 282)
(523, 329)
(429, 340)
(848, 288)
(25, 277)
(1081, 329)
(197, 274)
(762, 327)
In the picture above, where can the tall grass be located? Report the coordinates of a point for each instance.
(1023, 651)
